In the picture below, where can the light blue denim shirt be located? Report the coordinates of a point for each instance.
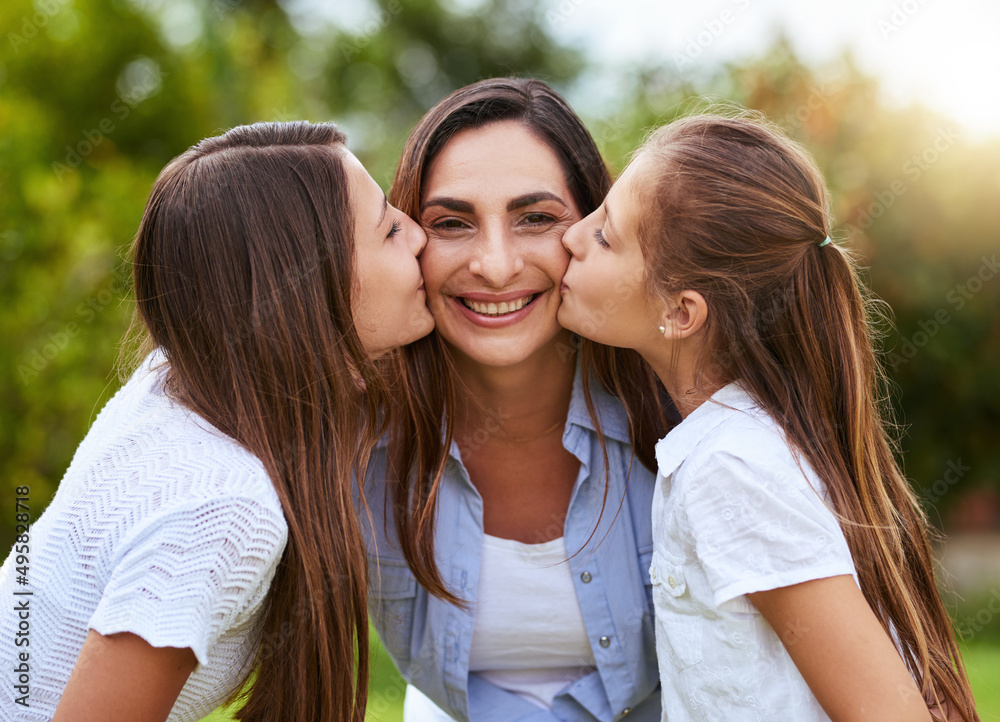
(430, 640)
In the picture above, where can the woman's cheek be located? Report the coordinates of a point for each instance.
(556, 256)
(431, 262)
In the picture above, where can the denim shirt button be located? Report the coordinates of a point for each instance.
(605, 642)
(585, 577)
(626, 711)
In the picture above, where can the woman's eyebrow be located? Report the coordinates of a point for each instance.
(532, 198)
(451, 204)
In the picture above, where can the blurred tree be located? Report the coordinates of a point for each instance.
(918, 203)
(97, 95)
(379, 81)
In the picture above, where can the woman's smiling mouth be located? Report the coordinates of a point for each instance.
(502, 308)
(491, 310)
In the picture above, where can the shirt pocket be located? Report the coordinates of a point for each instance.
(678, 620)
(391, 602)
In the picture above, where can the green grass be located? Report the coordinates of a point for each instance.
(385, 699)
(385, 704)
(983, 663)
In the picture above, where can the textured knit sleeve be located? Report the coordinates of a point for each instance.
(186, 576)
(759, 524)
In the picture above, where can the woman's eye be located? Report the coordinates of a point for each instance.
(394, 230)
(449, 224)
(537, 219)
(599, 237)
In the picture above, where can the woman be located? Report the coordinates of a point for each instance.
(531, 543)
(205, 527)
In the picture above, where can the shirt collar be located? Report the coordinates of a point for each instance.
(610, 411)
(673, 448)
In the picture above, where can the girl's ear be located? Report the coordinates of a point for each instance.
(685, 315)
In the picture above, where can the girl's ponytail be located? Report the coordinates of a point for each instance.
(740, 215)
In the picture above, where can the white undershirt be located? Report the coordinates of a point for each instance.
(529, 637)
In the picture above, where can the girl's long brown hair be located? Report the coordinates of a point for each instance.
(738, 212)
(244, 273)
(418, 448)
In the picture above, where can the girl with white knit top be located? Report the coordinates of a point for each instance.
(204, 533)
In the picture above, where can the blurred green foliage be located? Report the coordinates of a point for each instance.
(97, 95)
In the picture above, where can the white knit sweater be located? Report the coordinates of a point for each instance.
(162, 527)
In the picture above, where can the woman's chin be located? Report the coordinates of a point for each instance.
(503, 348)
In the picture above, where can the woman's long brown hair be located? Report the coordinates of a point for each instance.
(244, 272)
(738, 212)
(419, 443)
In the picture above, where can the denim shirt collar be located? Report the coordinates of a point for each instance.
(610, 412)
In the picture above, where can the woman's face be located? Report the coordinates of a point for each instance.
(495, 205)
(389, 304)
(603, 296)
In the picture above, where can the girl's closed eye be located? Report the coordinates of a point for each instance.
(394, 229)
(599, 237)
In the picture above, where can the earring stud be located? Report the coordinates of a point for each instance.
(663, 329)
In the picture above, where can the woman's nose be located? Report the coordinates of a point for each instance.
(498, 258)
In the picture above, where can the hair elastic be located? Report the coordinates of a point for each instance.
(825, 242)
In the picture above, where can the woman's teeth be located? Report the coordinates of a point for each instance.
(498, 309)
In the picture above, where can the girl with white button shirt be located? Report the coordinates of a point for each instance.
(792, 574)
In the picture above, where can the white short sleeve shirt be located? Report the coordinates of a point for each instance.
(162, 527)
(735, 511)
